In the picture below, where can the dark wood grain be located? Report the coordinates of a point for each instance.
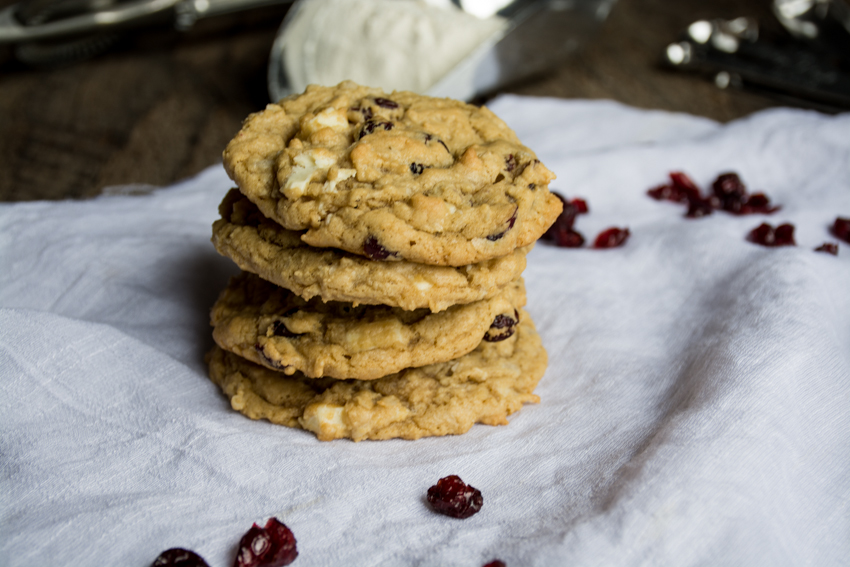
(162, 106)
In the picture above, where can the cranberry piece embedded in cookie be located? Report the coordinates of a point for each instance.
(511, 222)
(503, 326)
(365, 112)
(495, 237)
(269, 362)
(828, 247)
(271, 546)
(386, 103)
(373, 249)
(611, 238)
(841, 229)
(510, 162)
(453, 497)
(416, 168)
(371, 126)
(178, 557)
(429, 137)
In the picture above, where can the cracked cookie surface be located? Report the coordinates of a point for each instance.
(484, 386)
(394, 176)
(278, 255)
(273, 327)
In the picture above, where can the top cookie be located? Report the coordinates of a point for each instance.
(392, 177)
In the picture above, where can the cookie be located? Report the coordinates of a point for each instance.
(278, 255)
(274, 327)
(484, 386)
(393, 177)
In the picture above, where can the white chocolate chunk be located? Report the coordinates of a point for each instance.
(325, 420)
(306, 166)
(342, 175)
(384, 333)
(327, 118)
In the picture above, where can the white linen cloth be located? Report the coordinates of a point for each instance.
(695, 410)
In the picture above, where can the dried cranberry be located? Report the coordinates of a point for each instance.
(685, 185)
(784, 235)
(452, 497)
(386, 103)
(416, 168)
(841, 229)
(503, 326)
(511, 222)
(580, 205)
(510, 162)
(373, 249)
(496, 563)
(177, 557)
(268, 361)
(762, 234)
(757, 203)
(667, 192)
(369, 127)
(729, 185)
(729, 193)
(561, 232)
(611, 238)
(699, 208)
(828, 247)
(766, 235)
(271, 546)
(568, 214)
(567, 238)
(366, 112)
(681, 189)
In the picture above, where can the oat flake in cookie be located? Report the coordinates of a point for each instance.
(394, 176)
(278, 255)
(484, 386)
(274, 327)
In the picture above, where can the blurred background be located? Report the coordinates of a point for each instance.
(157, 102)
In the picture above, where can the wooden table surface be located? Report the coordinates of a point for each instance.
(161, 106)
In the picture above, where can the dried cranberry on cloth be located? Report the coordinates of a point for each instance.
(694, 411)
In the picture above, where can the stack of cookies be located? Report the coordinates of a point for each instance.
(382, 240)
